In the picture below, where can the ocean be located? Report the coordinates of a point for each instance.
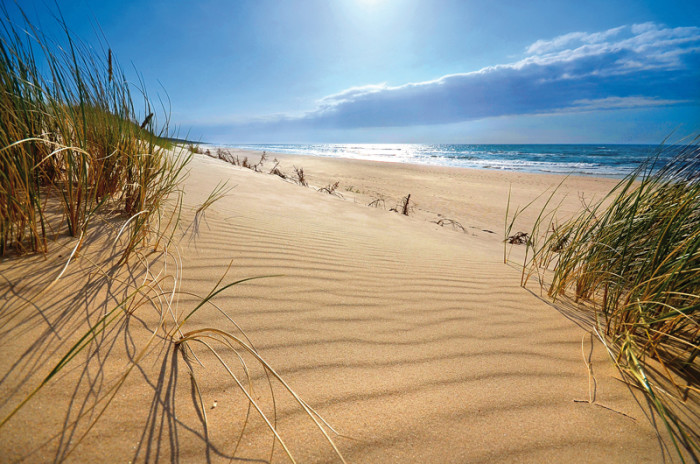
(594, 160)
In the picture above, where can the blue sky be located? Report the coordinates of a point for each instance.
(392, 71)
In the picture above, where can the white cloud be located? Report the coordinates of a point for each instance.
(557, 43)
(634, 66)
(349, 94)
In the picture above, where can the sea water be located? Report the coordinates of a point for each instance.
(595, 160)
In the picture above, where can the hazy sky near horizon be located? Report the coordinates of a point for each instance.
(440, 71)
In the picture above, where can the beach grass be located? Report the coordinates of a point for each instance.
(75, 152)
(73, 143)
(634, 259)
(75, 149)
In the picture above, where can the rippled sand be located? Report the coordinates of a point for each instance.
(415, 340)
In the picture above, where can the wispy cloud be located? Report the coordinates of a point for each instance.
(632, 66)
(618, 103)
(566, 40)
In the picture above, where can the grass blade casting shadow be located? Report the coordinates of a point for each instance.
(634, 260)
(78, 161)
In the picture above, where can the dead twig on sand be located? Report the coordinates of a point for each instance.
(301, 177)
(263, 158)
(331, 189)
(404, 207)
(450, 222)
(276, 171)
(520, 238)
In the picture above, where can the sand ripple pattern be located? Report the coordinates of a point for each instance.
(416, 341)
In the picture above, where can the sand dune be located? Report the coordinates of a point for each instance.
(414, 340)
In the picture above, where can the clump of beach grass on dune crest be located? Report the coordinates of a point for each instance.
(71, 141)
(301, 177)
(258, 166)
(276, 171)
(73, 150)
(194, 148)
(332, 189)
(634, 258)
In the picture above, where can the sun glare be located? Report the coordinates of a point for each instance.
(369, 3)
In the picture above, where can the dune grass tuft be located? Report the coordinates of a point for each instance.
(331, 189)
(301, 177)
(276, 171)
(634, 257)
(73, 143)
(74, 150)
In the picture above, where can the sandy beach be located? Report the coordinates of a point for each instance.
(413, 340)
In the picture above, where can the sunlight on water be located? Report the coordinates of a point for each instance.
(597, 160)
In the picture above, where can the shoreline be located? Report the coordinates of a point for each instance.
(598, 160)
(463, 194)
